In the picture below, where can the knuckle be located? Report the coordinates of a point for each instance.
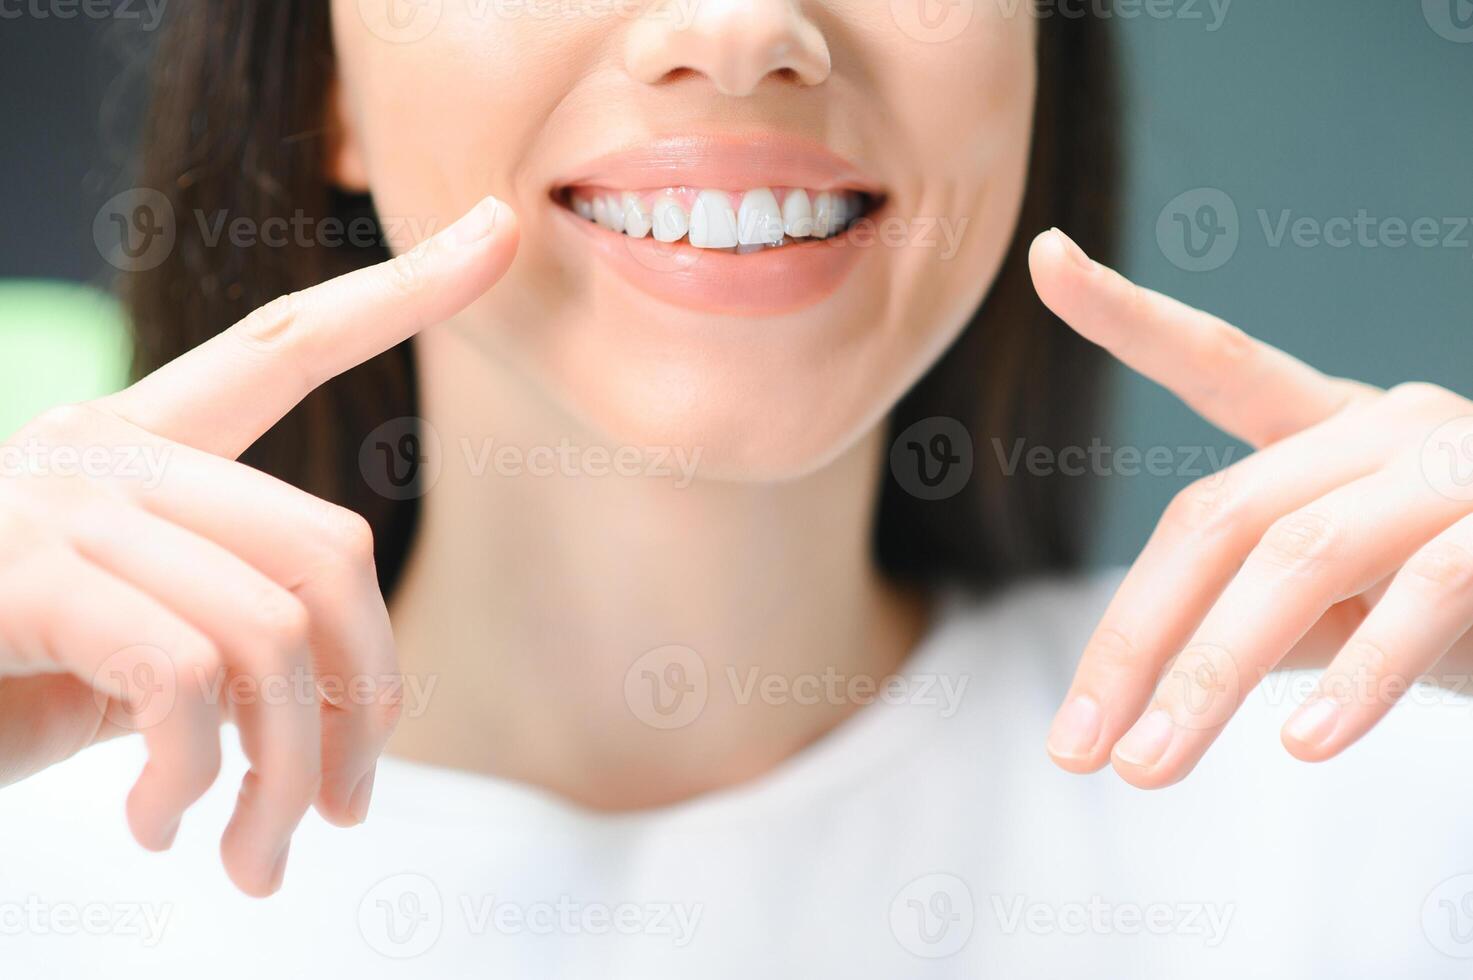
(1212, 506)
(385, 716)
(1444, 568)
(1201, 685)
(282, 619)
(1423, 394)
(1370, 677)
(1298, 541)
(197, 664)
(406, 273)
(1228, 347)
(1370, 659)
(1111, 650)
(348, 536)
(63, 423)
(271, 327)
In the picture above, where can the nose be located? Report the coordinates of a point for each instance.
(734, 43)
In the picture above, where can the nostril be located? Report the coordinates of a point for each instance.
(678, 75)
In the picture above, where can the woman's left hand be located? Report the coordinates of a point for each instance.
(1347, 536)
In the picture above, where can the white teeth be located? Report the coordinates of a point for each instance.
(638, 219)
(615, 209)
(759, 222)
(713, 223)
(601, 211)
(798, 214)
(824, 208)
(670, 220)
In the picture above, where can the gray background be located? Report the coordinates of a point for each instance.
(1321, 107)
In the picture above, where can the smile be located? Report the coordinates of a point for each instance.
(739, 222)
(750, 226)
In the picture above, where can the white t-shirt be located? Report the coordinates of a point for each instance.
(928, 836)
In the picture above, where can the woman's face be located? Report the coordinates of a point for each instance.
(882, 143)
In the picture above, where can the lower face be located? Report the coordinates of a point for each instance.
(756, 266)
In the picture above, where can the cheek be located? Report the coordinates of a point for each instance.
(445, 118)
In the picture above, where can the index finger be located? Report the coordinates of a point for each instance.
(226, 393)
(1243, 386)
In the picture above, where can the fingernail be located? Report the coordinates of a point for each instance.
(1314, 722)
(476, 224)
(169, 835)
(1074, 251)
(1076, 728)
(1146, 743)
(278, 872)
(362, 794)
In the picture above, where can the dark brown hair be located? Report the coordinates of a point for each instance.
(237, 125)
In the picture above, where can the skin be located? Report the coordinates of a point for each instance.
(531, 597)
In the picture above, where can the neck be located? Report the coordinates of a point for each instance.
(627, 640)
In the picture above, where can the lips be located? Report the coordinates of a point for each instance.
(755, 226)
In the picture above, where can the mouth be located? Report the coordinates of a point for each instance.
(734, 222)
(757, 225)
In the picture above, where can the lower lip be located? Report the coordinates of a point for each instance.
(766, 283)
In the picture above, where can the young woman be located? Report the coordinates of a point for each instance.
(730, 643)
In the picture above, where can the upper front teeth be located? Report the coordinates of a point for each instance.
(760, 221)
(713, 224)
(670, 220)
(710, 220)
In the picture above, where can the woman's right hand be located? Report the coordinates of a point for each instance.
(169, 599)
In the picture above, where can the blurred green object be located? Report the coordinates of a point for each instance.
(59, 342)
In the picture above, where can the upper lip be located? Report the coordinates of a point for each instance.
(726, 161)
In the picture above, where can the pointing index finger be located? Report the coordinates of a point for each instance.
(226, 393)
(1243, 386)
